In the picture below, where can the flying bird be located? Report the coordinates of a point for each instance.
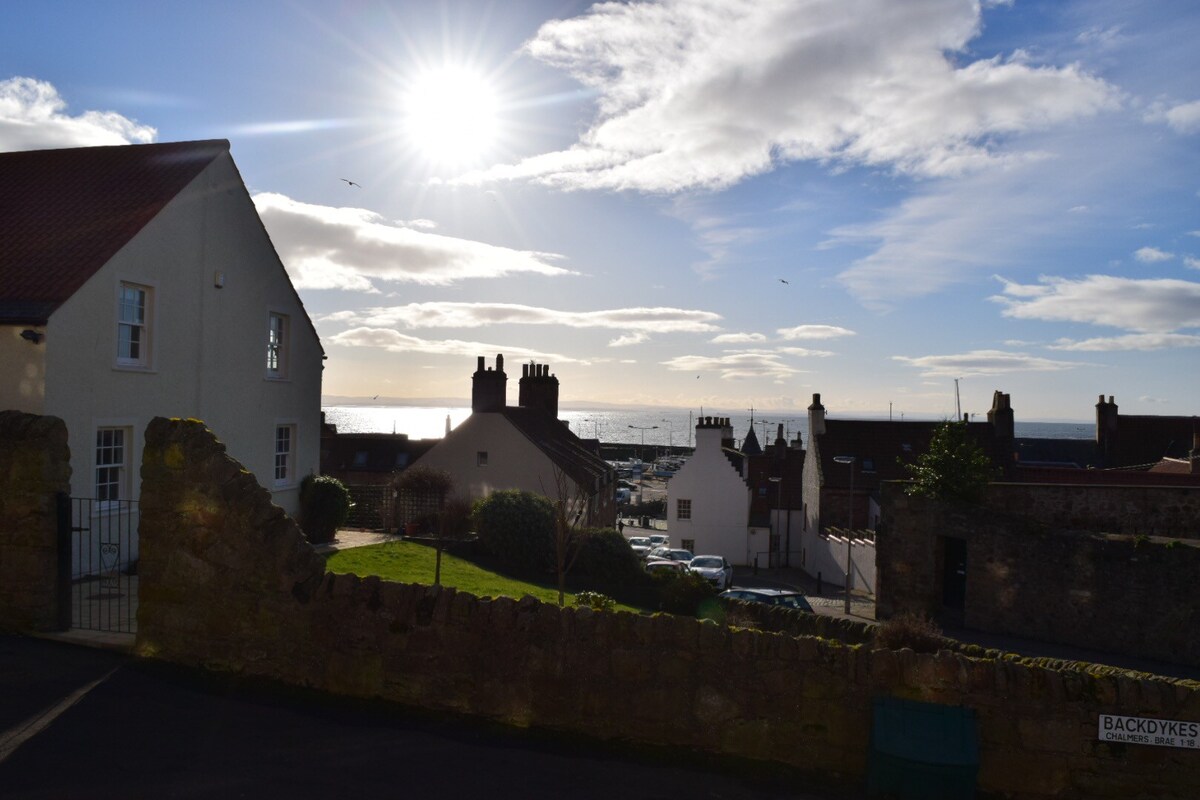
(781, 280)
(352, 183)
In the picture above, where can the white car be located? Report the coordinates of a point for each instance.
(714, 569)
(640, 546)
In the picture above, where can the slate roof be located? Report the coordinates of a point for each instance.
(65, 213)
(568, 452)
(1069, 453)
(1144, 440)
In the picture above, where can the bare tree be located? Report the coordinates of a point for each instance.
(569, 506)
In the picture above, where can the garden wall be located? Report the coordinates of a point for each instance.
(1115, 593)
(35, 463)
(1172, 511)
(228, 582)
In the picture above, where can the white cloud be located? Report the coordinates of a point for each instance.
(1191, 261)
(814, 332)
(629, 339)
(1133, 341)
(738, 338)
(982, 362)
(476, 315)
(736, 365)
(1183, 118)
(705, 94)
(1159, 305)
(33, 116)
(1151, 255)
(804, 352)
(325, 247)
(396, 342)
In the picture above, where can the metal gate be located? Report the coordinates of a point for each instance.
(98, 556)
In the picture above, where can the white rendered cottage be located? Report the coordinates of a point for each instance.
(708, 500)
(138, 281)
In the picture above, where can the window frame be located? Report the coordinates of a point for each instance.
(289, 455)
(278, 345)
(118, 483)
(682, 503)
(146, 327)
(481, 458)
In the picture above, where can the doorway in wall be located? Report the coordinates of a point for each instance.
(954, 572)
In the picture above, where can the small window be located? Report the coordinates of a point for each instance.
(277, 346)
(133, 326)
(868, 465)
(360, 458)
(285, 454)
(481, 458)
(683, 509)
(401, 460)
(689, 544)
(112, 464)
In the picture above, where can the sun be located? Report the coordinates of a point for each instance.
(450, 115)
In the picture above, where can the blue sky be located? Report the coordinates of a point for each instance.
(1006, 193)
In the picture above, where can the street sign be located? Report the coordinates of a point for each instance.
(1145, 730)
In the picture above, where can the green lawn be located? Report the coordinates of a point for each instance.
(407, 562)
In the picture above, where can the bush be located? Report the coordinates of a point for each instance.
(595, 601)
(919, 634)
(685, 593)
(324, 507)
(605, 556)
(517, 529)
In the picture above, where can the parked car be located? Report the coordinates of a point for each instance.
(625, 483)
(714, 569)
(640, 545)
(657, 566)
(660, 540)
(772, 597)
(668, 554)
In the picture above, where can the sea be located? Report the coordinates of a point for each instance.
(650, 426)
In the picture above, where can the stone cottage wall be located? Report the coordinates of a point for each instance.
(1172, 511)
(35, 463)
(228, 582)
(1116, 593)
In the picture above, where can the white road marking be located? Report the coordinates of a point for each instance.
(16, 736)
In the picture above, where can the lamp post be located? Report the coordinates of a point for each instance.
(850, 525)
(778, 510)
(643, 430)
(670, 433)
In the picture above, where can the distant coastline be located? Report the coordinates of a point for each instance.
(624, 424)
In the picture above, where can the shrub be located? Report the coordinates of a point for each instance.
(919, 634)
(954, 468)
(605, 555)
(685, 593)
(517, 528)
(324, 507)
(595, 601)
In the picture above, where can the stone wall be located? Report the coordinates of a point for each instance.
(228, 582)
(1116, 593)
(1150, 510)
(35, 463)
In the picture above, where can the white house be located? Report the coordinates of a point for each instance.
(523, 447)
(138, 281)
(708, 499)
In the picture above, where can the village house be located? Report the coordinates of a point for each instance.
(138, 281)
(524, 447)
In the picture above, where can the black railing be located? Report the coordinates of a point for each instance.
(103, 545)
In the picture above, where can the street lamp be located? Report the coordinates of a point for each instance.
(850, 526)
(778, 508)
(643, 430)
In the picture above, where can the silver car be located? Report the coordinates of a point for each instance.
(714, 569)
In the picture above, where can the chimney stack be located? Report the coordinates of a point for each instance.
(1106, 429)
(538, 389)
(816, 418)
(489, 388)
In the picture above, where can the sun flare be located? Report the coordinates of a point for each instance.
(450, 115)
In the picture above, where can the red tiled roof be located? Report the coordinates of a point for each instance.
(65, 213)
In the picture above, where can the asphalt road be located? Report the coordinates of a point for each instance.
(155, 731)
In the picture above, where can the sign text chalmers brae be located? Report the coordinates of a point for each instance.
(1143, 730)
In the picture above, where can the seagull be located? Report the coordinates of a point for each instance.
(352, 183)
(781, 280)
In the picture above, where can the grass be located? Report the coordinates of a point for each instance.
(407, 562)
